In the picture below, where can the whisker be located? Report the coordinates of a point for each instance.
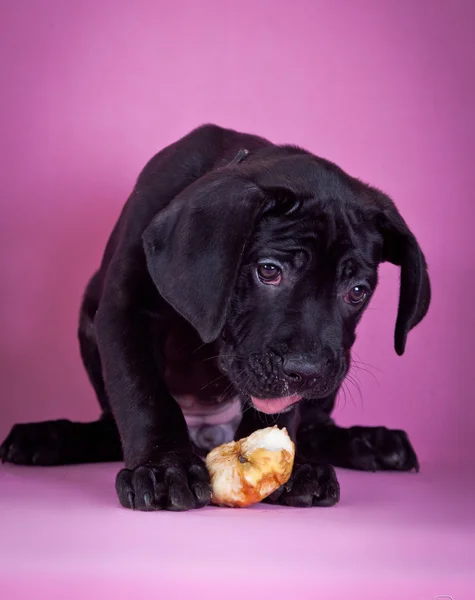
(342, 391)
(355, 383)
(351, 393)
(361, 361)
(211, 382)
(224, 356)
(358, 369)
(198, 349)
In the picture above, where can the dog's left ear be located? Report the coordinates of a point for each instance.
(194, 247)
(401, 248)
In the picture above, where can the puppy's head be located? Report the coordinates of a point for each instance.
(276, 262)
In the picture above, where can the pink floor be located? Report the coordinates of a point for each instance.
(401, 536)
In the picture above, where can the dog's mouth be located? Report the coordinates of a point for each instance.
(266, 389)
(273, 406)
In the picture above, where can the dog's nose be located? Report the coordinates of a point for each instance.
(299, 369)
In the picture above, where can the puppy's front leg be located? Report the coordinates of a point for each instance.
(161, 470)
(311, 484)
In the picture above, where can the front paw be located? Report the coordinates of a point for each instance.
(173, 482)
(309, 485)
(381, 449)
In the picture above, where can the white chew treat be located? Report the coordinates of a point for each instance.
(245, 472)
(271, 438)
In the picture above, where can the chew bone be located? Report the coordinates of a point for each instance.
(247, 471)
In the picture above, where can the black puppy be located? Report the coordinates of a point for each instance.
(236, 273)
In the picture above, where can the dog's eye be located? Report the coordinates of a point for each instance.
(269, 273)
(357, 295)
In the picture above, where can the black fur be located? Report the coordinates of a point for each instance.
(177, 308)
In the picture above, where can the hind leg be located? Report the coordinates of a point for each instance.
(362, 448)
(63, 442)
(88, 344)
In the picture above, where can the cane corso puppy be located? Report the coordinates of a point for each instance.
(226, 301)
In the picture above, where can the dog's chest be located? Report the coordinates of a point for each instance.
(206, 397)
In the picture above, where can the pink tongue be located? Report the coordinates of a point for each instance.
(274, 405)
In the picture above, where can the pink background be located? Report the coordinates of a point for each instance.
(91, 89)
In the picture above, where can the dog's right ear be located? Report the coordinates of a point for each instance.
(195, 245)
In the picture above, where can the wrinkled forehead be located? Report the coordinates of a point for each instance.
(332, 227)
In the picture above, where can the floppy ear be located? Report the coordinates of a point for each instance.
(195, 245)
(400, 247)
